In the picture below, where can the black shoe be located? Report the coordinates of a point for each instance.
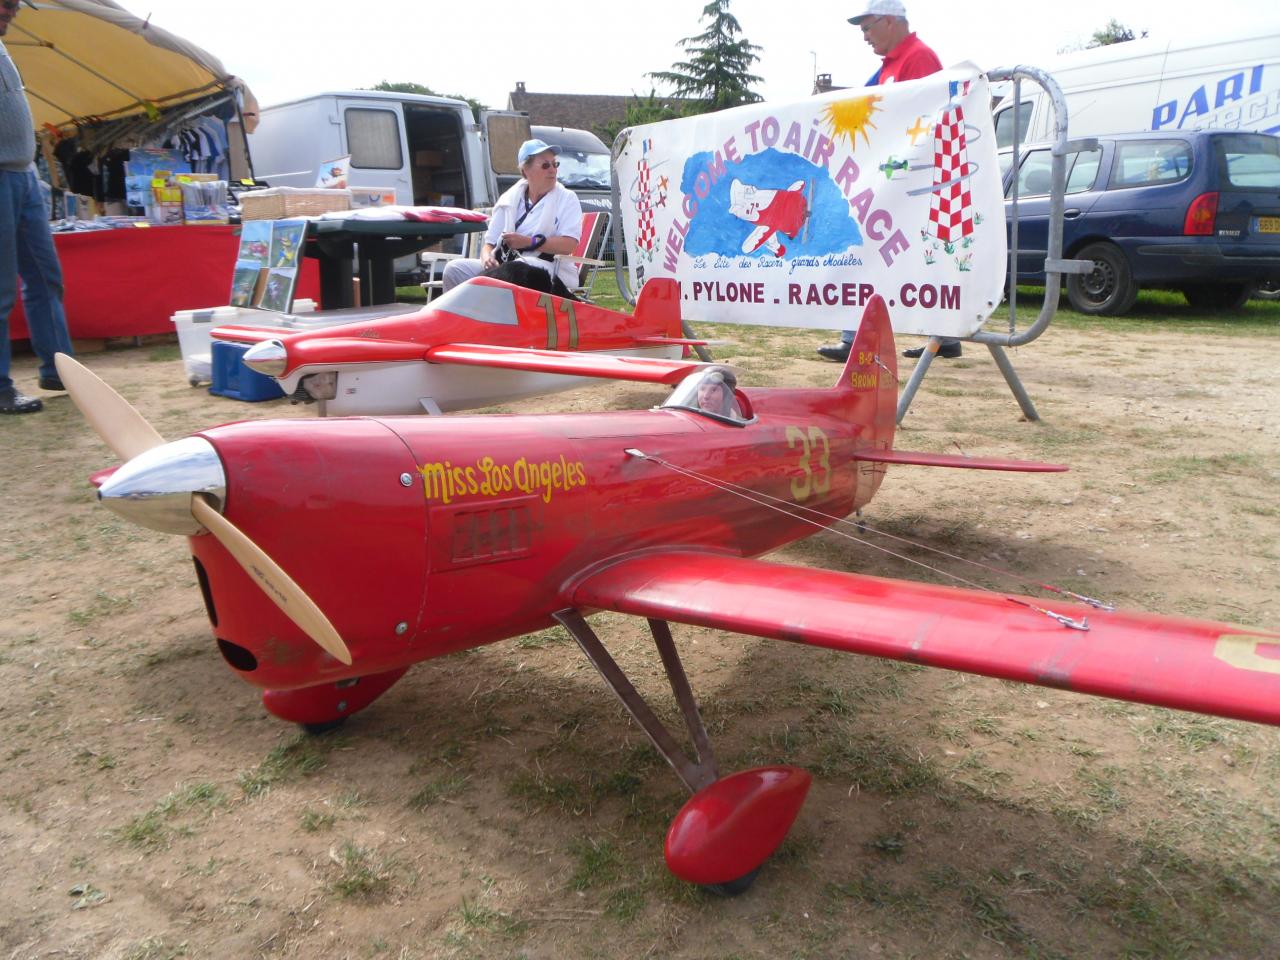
(838, 352)
(11, 401)
(948, 351)
(51, 383)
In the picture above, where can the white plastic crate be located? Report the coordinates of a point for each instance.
(195, 327)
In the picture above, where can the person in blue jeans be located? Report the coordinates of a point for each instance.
(26, 244)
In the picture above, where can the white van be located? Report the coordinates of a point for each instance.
(1228, 83)
(430, 150)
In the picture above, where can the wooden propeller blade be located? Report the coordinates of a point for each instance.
(275, 583)
(121, 427)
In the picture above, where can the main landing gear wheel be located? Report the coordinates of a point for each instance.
(732, 888)
(731, 825)
(320, 729)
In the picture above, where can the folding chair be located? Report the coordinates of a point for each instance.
(430, 260)
(589, 247)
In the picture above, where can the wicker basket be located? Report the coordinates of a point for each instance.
(277, 203)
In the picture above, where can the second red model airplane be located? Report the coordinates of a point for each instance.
(411, 538)
(482, 343)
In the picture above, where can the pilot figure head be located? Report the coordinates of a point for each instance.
(715, 393)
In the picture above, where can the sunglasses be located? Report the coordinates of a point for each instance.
(548, 164)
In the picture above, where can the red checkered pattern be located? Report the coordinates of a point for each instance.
(647, 233)
(951, 205)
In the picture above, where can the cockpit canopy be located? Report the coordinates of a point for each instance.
(713, 391)
(483, 302)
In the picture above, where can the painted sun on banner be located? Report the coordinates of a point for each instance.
(792, 214)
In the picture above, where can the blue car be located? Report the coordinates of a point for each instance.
(1191, 210)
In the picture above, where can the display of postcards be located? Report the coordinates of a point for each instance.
(204, 201)
(362, 197)
(137, 189)
(333, 173)
(244, 283)
(255, 241)
(144, 161)
(277, 293)
(286, 243)
(166, 203)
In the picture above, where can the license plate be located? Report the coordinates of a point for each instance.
(1269, 224)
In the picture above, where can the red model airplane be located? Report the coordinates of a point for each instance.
(484, 342)
(420, 536)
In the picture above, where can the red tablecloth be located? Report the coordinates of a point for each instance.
(124, 283)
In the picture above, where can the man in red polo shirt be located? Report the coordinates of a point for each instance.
(905, 57)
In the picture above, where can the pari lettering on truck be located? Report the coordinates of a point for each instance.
(1223, 83)
(429, 150)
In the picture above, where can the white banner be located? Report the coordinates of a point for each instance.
(794, 214)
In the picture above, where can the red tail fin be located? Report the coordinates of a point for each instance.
(870, 376)
(873, 352)
(659, 305)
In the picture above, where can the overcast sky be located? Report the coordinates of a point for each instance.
(287, 48)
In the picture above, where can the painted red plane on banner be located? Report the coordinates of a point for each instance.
(410, 538)
(484, 342)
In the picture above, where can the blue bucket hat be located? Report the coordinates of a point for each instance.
(531, 148)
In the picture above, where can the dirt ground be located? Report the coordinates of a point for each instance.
(498, 803)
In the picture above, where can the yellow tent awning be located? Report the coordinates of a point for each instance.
(89, 59)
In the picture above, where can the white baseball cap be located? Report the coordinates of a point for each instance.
(531, 148)
(880, 8)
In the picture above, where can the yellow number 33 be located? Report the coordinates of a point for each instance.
(810, 481)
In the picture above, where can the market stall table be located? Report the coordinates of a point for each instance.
(376, 244)
(130, 282)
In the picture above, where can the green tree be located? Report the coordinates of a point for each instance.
(1113, 32)
(640, 110)
(716, 74)
(410, 87)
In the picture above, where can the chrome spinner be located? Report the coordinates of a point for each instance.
(154, 489)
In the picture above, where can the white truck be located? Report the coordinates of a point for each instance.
(430, 150)
(1225, 82)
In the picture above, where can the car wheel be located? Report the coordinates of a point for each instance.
(1106, 290)
(1218, 296)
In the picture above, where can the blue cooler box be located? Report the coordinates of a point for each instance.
(233, 379)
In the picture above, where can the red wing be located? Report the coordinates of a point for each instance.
(644, 369)
(325, 351)
(1167, 661)
(922, 459)
(240, 334)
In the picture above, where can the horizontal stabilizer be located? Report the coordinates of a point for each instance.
(1195, 665)
(919, 458)
(670, 342)
(587, 364)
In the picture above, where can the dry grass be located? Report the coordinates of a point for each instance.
(500, 804)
